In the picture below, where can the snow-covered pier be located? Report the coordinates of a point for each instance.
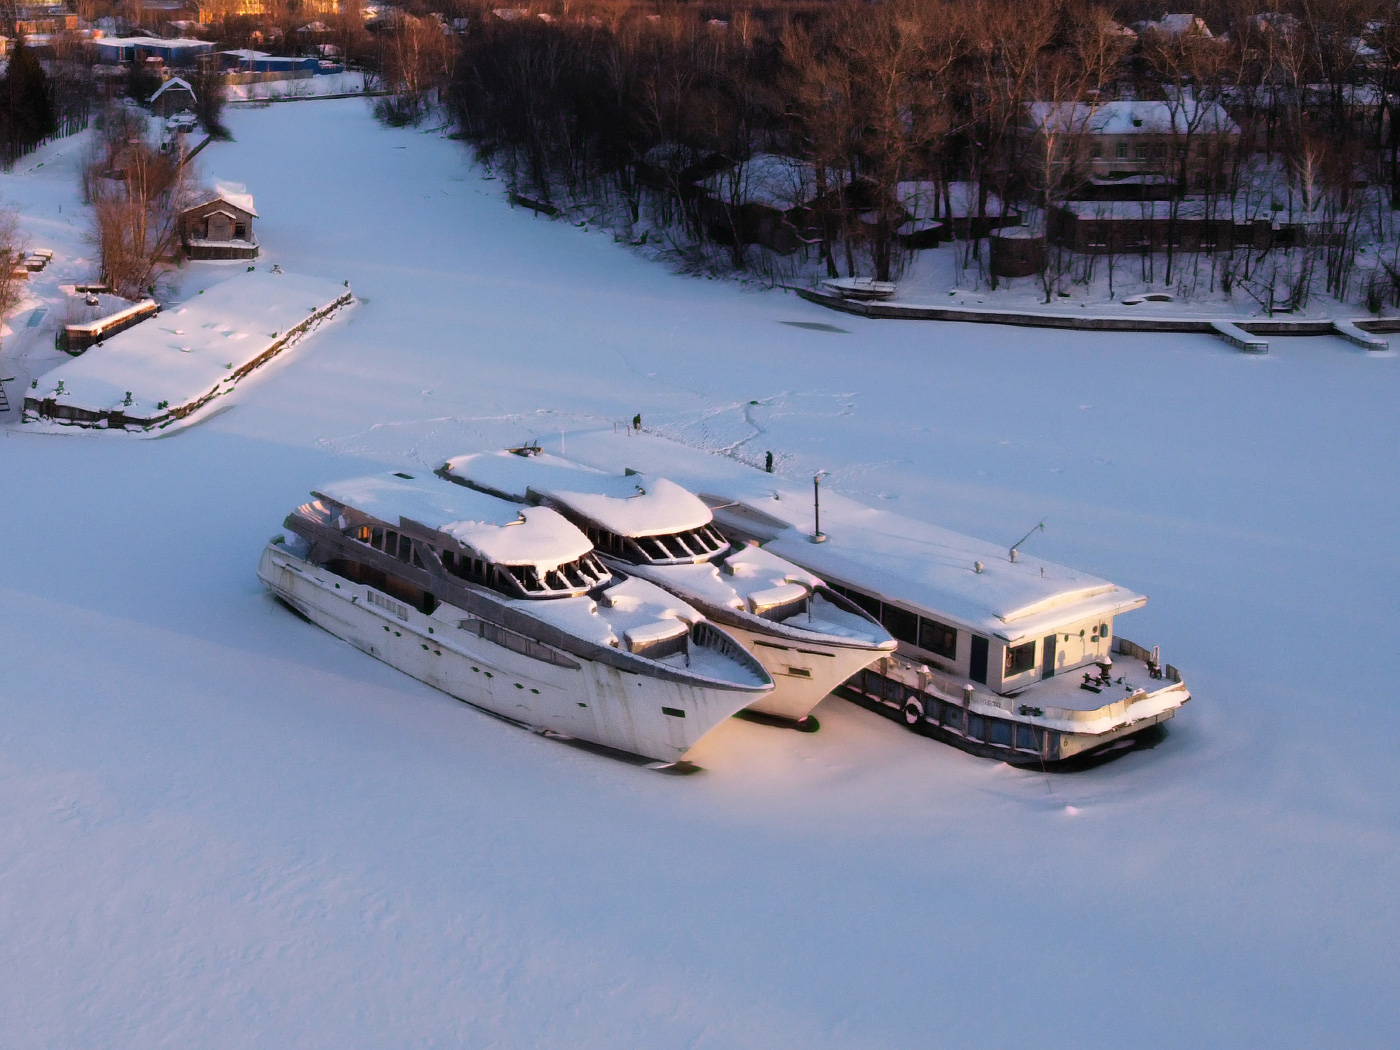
(162, 371)
(1239, 338)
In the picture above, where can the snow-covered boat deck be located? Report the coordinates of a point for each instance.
(165, 369)
(1128, 679)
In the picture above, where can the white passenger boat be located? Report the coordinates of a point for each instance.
(1000, 654)
(807, 636)
(509, 609)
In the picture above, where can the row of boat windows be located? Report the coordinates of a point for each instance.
(692, 543)
(928, 634)
(584, 574)
(391, 542)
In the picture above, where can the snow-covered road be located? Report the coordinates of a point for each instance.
(221, 827)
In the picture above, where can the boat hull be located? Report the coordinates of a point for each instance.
(1036, 740)
(804, 673)
(648, 717)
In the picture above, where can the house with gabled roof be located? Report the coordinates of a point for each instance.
(221, 226)
(174, 96)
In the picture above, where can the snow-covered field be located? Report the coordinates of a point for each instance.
(221, 827)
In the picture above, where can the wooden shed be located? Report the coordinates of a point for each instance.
(174, 96)
(220, 227)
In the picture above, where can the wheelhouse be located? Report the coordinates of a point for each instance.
(529, 552)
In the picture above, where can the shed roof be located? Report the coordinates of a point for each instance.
(173, 84)
(1132, 117)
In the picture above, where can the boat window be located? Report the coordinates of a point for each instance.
(376, 538)
(690, 545)
(938, 638)
(867, 602)
(1019, 658)
(902, 624)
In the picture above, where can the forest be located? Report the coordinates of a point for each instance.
(806, 139)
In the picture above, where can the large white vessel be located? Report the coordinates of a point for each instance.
(1001, 654)
(509, 609)
(808, 637)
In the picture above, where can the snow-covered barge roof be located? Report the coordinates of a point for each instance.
(502, 532)
(632, 505)
(166, 367)
(899, 558)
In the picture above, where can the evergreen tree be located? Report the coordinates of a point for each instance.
(26, 113)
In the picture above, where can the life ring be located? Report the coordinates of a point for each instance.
(913, 712)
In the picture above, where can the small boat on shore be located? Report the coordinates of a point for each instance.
(509, 609)
(860, 288)
(805, 634)
(1001, 655)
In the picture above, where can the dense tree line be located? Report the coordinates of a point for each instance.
(620, 110)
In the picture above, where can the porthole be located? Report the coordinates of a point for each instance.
(519, 686)
(386, 626)
(489, 674)
(477, 669)
(425, 647)
(535, 691)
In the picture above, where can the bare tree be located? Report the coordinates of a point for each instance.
(137, 195)
(12, 253)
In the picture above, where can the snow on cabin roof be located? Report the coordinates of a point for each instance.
(173, 82)
(500, 531)
(235, 193)
(1132, 117)
(901, 559)
(924, 199)
(770, 179)
(628, 505)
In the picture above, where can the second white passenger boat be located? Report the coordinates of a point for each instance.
(807, 636)
(508, 609)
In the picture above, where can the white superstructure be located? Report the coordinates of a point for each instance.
(508, 608)
(999, 653)
(808, 637)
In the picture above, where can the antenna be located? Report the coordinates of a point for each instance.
(817, 535)
(1039, 527)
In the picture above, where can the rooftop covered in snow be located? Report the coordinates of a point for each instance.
(626, 504)
(1132, 117)
(502, 532)
(190, 352)
(899, 558)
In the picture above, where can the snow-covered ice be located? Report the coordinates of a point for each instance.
(222, 827)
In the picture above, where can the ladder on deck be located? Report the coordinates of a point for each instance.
(4, 401)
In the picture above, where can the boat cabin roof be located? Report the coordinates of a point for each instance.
(632, 505)
(501, 532)
(894, 557)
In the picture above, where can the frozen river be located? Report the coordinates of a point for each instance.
(221, 827)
